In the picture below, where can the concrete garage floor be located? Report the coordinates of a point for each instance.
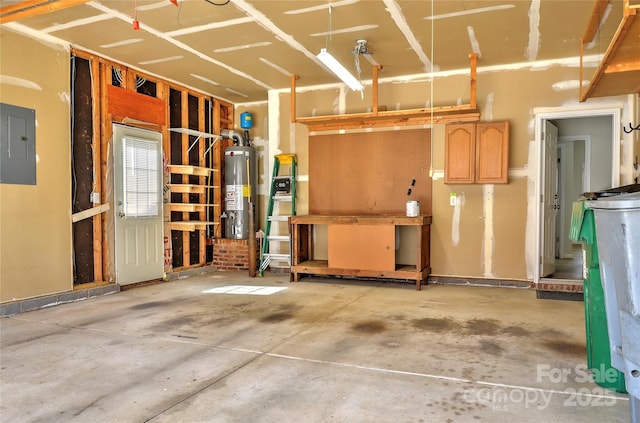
(321, 350)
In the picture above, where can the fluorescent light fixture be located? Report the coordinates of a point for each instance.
(340, 71)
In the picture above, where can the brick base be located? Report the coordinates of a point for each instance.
(231, 254)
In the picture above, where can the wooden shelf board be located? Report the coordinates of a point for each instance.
(385, 118)
(193, 133)
(188, 188)
(191, 170)
(320, 267)
(619, 70)
(190, 226)
(189, 207)
(424, 116)
(361, 220)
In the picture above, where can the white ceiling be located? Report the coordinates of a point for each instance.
(242, 48)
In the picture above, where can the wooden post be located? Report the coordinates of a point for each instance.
(293, 98)
(106, 130)
(580, 98)
(186, 239)
(97, 173)
(202, 241)
(374, 108)
(473, 80)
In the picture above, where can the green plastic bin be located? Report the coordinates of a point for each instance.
(583, 230)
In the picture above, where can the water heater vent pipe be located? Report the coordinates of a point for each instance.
(237, 137)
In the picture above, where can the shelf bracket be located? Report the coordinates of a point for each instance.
(211, 145)
(198, 135)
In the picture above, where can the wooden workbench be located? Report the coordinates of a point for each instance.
(359, 246)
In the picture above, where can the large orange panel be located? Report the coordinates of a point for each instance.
(362, 247)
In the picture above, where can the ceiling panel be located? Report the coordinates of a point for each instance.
(250, 46)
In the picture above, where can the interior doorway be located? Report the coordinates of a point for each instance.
(574, 179)
(587, 143)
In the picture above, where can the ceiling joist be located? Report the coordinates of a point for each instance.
(29, 8)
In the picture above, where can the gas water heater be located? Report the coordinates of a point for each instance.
(240, 179)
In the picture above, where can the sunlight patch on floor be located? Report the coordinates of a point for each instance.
(245, 289)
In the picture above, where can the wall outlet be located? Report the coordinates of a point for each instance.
(453, 199)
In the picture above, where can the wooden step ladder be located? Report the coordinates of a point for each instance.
(283, 190)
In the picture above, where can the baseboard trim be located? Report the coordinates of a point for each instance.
(30, 304)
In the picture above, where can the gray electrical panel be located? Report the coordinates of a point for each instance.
(17, 145)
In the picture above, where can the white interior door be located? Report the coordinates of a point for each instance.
(138, 204)
(550, 203)
(565, 168)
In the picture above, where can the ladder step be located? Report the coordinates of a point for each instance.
(277, 218)
(275, 256)
(267, 258)
(278, 238)
(282, 198)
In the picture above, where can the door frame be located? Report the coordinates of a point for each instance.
(554, 113)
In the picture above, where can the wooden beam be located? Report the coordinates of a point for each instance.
(30, 8)
(186, 239)
(85, 214)
(202, 245)
(473, 58)
(293, 98)
(390, 120)
(162, 93)
(376, 70)
(377, 118)
(97, 174)
(106, 131)
(594, 21)
(581, 73)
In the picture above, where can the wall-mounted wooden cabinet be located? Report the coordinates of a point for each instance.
(477, 153)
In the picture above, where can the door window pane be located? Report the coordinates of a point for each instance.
(141, 177)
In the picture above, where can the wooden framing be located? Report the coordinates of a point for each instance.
(126, 105)
(202, 253)
(97, 181)
(619, 69)
(377, 118)
(31, 8)
(186, 244)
